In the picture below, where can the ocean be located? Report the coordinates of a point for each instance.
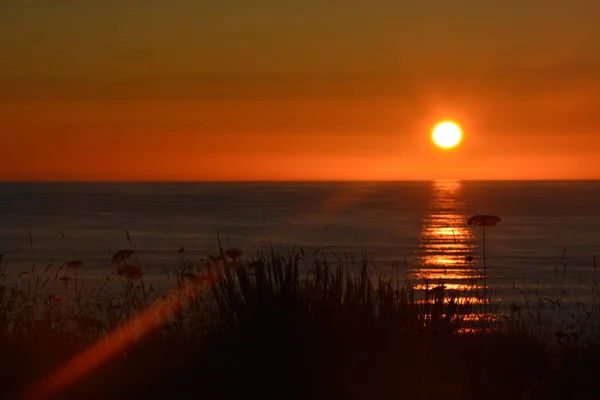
(548, 234)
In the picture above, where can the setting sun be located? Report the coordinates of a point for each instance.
(447, 135)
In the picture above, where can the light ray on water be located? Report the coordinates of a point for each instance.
(446, 246)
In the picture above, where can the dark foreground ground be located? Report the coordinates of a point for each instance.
(262, 329)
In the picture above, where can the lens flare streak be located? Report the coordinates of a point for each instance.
(116, 342)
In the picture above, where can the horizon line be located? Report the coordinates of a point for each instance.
(296, 180)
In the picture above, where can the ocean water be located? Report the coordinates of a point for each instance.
(549, 233)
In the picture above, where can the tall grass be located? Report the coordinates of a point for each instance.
(291, 325)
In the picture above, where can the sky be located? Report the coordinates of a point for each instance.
(288, 90)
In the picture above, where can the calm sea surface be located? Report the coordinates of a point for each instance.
(420, 226)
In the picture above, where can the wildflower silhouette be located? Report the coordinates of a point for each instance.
(130, 272)
(122, 256)
(75, 264)
(484, 221)
(234, 254)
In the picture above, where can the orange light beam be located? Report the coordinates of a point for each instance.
(115, 342)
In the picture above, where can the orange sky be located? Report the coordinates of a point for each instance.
(298, 91)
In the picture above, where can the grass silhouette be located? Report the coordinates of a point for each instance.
(288, 325)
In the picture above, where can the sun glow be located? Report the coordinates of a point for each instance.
(447, 135)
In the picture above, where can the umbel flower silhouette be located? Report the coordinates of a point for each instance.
(484, 221)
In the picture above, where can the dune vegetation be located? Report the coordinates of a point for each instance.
(276, 325)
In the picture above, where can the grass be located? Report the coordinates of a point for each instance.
(291, 326)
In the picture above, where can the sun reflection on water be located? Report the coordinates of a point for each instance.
(446, 246)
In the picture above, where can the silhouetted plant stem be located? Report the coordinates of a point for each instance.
(484, 270)
(484, 221)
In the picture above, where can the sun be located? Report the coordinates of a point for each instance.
(447, 135)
